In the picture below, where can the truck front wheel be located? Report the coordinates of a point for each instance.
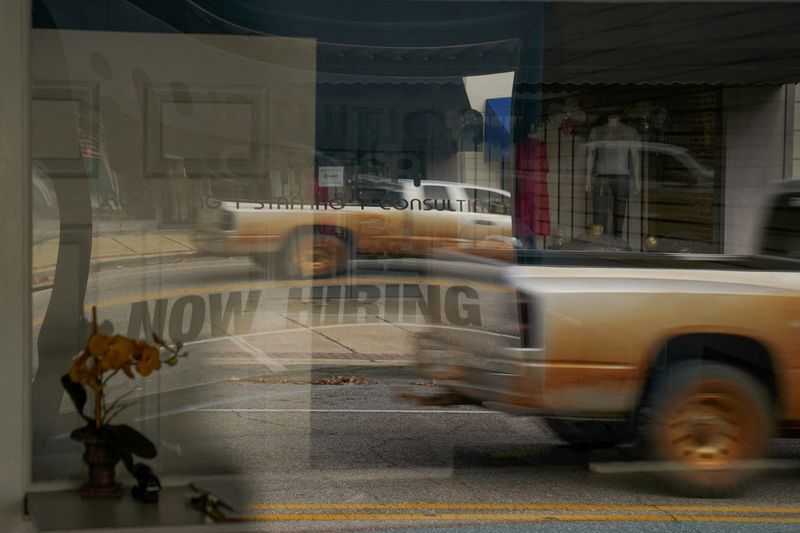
(315, 255)
(705, 422)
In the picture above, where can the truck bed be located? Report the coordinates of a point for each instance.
(656, 260)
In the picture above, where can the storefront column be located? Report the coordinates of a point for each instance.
(755, 130)
(15, 267)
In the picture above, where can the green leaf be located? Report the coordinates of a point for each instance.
(119, 447)
(133, 441)
(127, 460)
(77, 434)
(77, 394)
(171, 361)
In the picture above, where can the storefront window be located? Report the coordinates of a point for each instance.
(299, 193)
(639, 166)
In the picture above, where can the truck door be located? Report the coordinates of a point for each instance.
(781, 239)
(380, 227)
(433, 219)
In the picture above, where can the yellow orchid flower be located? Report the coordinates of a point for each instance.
(151, 360)
(98, 344)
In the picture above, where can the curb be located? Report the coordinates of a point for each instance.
(115, 262)
(395, 266)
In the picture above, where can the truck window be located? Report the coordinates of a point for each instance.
(440, 195)
(782, 234)
(499, 204)
(478, 200)
(377, 196)
(436, 192)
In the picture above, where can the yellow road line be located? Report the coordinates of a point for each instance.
(513, 517)
(241, 361)
(522, 507)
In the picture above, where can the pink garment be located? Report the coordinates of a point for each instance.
(532, 214)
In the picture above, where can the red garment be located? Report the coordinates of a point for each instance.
(532, 214)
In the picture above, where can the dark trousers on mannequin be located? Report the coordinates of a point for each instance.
(610, 195)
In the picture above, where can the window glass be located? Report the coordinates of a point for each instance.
(383, 229)
(379, 196)
(498, 204)
(436, 192)
(478, 200)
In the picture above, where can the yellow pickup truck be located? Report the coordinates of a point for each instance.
(692, 359)
(317, 239)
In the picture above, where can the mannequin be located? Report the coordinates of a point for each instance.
(612, 162)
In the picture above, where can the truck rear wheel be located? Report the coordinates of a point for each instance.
(315, 255)
(703, 419)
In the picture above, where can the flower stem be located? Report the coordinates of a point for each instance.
(98, 399)
(98, 392)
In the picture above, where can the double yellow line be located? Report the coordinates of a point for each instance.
(519, 512)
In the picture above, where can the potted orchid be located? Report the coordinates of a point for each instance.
(102, 358)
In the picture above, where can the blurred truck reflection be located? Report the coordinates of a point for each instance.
(316, 239)
(693, 359)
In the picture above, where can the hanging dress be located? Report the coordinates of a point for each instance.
(532, 214)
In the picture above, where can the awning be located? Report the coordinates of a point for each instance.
(747, 43)
(725, 43)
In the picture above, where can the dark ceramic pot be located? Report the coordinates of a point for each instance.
(102, 459)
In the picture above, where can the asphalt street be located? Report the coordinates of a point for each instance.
(290, 409)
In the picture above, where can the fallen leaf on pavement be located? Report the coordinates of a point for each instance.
(344, 380)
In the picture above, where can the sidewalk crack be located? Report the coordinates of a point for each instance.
(312, 330)
(124, 245)
(401, 328)
(176, 242)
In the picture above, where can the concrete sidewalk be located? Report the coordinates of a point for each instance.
(120, 242)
